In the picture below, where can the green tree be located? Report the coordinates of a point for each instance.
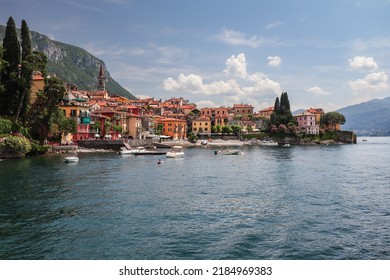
(45, 109)
(276, 105)
(216, 129)
(10, 75)
(236, 129)
(227, 129)
(25, 73)
(2, 63)
(282, 113)
(331, 119)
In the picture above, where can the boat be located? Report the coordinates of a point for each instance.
(71, 158)
(129, 150)
(227, 152)
(269, 143)
(175, 152)
(149, 152)
(286, 145)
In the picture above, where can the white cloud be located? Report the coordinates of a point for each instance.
(251, 85)
(362, 62)
(317, 91)
(274, 61)
(373, 82)
(236, 66)
(274, 25)
(237, 38)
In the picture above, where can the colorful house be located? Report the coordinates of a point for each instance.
(175, 128)
(217, 115)
(201, 125)
(77, 108)
(307, 123)
(242, 109)
(115, 119)
(266, 113)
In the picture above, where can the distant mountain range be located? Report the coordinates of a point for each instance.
(368, 118)
(73, 64)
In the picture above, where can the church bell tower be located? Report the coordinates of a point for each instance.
(101, 79)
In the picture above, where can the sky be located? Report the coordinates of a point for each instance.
(328, 54)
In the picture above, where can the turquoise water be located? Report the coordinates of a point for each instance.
(302, 202)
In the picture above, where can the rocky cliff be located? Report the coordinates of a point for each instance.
(73, 64)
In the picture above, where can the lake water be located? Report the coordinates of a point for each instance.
(301, 202)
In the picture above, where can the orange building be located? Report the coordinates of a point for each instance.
(243, 109)
(266, 113)
(175, 128)
(218, 115)
(37, 85)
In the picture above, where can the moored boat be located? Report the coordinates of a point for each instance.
(227, 152)
(268, 143)
(129, 150)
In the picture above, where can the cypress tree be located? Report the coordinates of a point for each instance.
(1, 71)
(276, 105)
(26, 72)
(10, 76)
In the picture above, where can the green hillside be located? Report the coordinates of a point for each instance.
(73, 64)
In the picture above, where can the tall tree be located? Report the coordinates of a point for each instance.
(282, 113)
(1, 70)
(26, 72)
(44, 111)
(10, 76)
(276, 105)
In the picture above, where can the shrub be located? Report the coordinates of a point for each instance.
(16, 146)
(5, 126)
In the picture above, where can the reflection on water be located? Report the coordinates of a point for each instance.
(314, 202)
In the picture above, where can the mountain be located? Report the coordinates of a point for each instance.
(72, 64)
(368, 118)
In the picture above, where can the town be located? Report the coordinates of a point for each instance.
(100, 115)
(42, 111)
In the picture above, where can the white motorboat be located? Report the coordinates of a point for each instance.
(227, 152)
(269, 143)
(175, 152)
(129, 150)
(72, 158)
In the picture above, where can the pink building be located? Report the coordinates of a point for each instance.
(307, 123)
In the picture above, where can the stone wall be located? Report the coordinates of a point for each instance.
(347, 137)
(113, 144)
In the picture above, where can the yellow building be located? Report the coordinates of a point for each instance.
(201, 125)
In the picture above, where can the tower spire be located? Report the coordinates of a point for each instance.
(101, 79)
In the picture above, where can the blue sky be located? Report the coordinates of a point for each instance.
(327, 54)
